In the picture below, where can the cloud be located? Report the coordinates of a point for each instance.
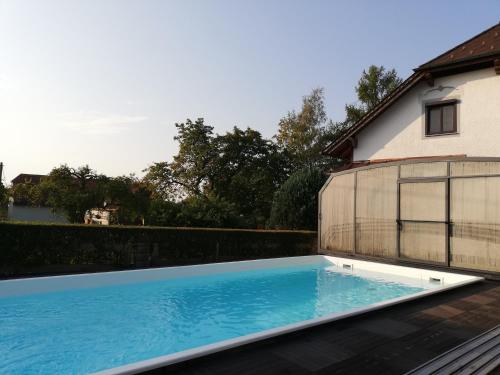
(96, 123)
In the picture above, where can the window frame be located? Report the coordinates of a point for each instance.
(440, 105)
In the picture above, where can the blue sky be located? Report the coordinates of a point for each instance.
(102, 82)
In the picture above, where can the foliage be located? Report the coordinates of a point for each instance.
(164, 213)
(372, 88)
(74, 191)
(48, 248)
(238, 171)
(130, 196)
(192, 168)
(28, 194)
(4, 200)
(247, 171)
(295, 204)
(305, 134)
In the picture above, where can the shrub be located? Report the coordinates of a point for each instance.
(295, 204)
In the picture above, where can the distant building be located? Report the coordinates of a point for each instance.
(28, 213)
(26, 178)
(17, 212)
(101, 216)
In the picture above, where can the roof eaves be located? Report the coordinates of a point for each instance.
(489, 56)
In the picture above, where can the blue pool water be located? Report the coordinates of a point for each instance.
(87, 330)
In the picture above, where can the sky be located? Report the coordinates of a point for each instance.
(102, 82)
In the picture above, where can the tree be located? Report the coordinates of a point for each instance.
(28, 194)
(247, 171)
(74, 191)
(130, 196)
(191, 170)
(372, 88)
(209, 213)
(238, 171)
(4, 200)
(164, 213)
(303, 135)
(295, 204)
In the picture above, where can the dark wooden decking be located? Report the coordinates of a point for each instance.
(390, 341)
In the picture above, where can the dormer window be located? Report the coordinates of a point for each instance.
(441, 118)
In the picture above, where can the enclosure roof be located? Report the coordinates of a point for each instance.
(481, 51)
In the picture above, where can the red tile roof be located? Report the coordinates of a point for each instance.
(28, 178)
(484, 44)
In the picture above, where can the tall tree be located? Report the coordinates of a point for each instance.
(248, 169)
(303, 135)
(373, 86)
(192, 168)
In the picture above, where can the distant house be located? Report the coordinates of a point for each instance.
(421, 178)
(101, 216)
(19, 212)
(26, 178)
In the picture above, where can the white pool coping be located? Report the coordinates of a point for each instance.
(441, 281)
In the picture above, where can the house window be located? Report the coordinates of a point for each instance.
(441, 118)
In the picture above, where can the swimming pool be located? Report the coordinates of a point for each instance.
(130, 321)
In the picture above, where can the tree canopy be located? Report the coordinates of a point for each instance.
(373, 86)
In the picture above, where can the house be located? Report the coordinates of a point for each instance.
(26, 178)
(421, 178)
(449, 106)
(20, 211)
(101, 216)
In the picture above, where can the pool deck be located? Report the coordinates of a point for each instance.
(389, 341)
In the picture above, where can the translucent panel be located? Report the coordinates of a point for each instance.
(449, 118)
(423, 241)
(423, 201)
(376, 212)
(475, 213)
(337, 214)
(434, 125)
(434, 169)
(474, 168)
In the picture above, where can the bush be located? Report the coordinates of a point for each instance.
(295, 204)
(36, 249)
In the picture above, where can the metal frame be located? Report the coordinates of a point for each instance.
(354, 244)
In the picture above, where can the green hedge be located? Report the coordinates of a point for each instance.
(43, 249)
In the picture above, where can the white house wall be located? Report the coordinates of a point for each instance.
(400, 131)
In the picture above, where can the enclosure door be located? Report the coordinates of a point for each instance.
(423, 220)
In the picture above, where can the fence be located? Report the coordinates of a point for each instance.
(444, 212)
